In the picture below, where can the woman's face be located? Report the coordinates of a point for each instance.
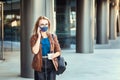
(43, 24)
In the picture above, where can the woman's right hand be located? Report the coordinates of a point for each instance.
(36, 46)
(38, 32)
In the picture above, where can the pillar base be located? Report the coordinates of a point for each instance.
(118, 34)
(27, 75)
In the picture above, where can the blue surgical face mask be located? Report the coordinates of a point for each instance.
(44, 29)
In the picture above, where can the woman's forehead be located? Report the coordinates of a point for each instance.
(43, 21)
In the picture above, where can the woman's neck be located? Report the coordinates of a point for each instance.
(44, 34)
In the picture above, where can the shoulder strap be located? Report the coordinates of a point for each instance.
(53, 36)
(52, 46)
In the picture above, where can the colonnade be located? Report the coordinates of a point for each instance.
(93, 16)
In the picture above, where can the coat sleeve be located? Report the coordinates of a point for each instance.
(33, 41)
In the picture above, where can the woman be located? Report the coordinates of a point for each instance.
(42, 44)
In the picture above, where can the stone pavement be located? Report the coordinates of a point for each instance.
(100, 65)
(103, 64)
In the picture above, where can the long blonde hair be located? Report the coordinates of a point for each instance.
(37, 23)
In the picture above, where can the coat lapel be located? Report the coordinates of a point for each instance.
(51, 42)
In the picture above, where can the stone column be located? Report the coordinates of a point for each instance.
(39, 7)
(102, 22)
(45, 8)
(50, 13)
(113, 19)
(118, 18)
(26, 31)
(118, 24)
(85, 26)
(30, 11)
(63, 22)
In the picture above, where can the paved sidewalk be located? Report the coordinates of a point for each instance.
(103, 64)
